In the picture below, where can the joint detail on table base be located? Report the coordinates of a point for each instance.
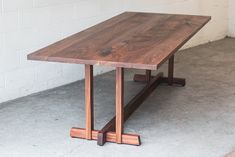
(107, 133)
(130, 108)
(113, 130)
(131, 139)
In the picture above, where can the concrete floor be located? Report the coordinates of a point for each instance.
(193, 121)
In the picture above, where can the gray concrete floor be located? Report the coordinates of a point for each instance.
(193, 121)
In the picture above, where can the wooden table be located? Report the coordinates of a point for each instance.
(129, 40)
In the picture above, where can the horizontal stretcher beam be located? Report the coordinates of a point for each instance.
(130, 107)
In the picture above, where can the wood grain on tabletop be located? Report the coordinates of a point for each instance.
(129, 40)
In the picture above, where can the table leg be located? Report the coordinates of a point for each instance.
(108, 133)
(89, 101)
(171, 70)
(113, 130)
(170, 79)
(119, 103)
(148, 76)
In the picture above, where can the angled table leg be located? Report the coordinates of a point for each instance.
(89, 101)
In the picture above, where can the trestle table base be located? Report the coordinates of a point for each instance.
(113, 130)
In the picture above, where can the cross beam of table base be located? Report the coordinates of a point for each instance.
(113, 130)
(131, 139)
(130, 108)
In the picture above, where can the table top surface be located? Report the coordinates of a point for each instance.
(129, 40)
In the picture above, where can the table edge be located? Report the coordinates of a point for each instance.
(156, 66)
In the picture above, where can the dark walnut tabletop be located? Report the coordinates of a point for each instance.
(129, 40)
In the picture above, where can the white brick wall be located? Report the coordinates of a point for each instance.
(231, 18)
(27, 25)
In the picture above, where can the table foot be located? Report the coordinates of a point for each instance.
(130, 139)
(176, 81)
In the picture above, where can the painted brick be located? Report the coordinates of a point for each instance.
(231, 18)
(8, 21)
(69, 28)
(48, 71)
(1, 43)
(87, 9)
(52, 83)
(21, 39)
(72, 72)
(8, 94)
(2, 97)
(14, 5)
(24, 62)
(44, 3)
(112, 6)
(28, 25)
(0, 5)
(2, 81)
(34, 17)
(62, 13)
(48, 35)
(33, 88)
(9, 60)
(16, 81)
